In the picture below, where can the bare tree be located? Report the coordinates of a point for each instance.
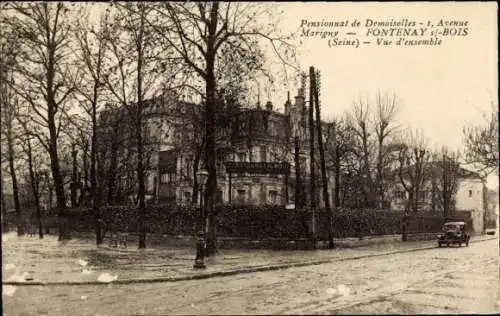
(201, 33)
(360, 125)
(92, 47)
(481, 143)
(9, 104)
(137, 62)
(10, 134)
(387, 107)
(34, 179)
(413, 168)
(45, 79)
(339, 146)
(446, 173)
(113, 137)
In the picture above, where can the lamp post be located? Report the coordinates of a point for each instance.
(199, 263)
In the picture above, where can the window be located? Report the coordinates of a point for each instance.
(241, 195)
(167, 178)
(400, 195)
(263, 154)
(470, 193)
(189, 167)
(422, 195)
(241, 157)
(187, 197)
(272, 128)
(273, 197)
(220, 163)
(302, 162)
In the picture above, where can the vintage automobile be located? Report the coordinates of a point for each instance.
(454, 233)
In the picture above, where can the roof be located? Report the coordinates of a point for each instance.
(462, 173)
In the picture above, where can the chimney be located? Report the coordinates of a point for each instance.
(300, 99)
(288, 104)
(269, 106)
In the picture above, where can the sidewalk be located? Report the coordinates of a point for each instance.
(29, 260)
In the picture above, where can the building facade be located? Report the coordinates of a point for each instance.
(470, 196)
(259, 134)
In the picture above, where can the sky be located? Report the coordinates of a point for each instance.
(441, 88)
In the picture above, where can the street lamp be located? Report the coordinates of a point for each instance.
(199, 263)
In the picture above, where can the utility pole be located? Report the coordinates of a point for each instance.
(326, 197)
(312, 197)
(298, 181)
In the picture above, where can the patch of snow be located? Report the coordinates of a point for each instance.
(87, 272)
(83, 263)
(343, 290)
(83, 297)
(18, 278)
(9, 266)
(6, 237)
(106, 278)
(8, 290)
(331, 291)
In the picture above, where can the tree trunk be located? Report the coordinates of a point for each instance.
(15, 189)
(74, 184)
(4, 210)
(312, 183)
(111, 174)
(321, 149)
(57, 177)
(51, 196)
(140, 153)
(379, 173)
(93, 173)
(336, 200)
(196, 162)
(84, 189)
(446, 204)
(34, 189)
(210, 146)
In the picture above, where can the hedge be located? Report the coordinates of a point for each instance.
(257, 222)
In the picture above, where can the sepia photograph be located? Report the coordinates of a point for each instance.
(249, 158)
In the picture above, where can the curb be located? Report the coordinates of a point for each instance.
(228, 273)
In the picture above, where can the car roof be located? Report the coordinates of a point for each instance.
(454, 223)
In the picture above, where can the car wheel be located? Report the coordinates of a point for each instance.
(467, 243)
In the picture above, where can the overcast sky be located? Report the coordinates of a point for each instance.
(441, 88)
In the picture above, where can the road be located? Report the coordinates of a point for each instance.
(441, 280)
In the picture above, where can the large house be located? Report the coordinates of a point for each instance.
(255, 150)
(470, 196)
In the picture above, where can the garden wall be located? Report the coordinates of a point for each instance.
(257, 222)
(260, 222)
